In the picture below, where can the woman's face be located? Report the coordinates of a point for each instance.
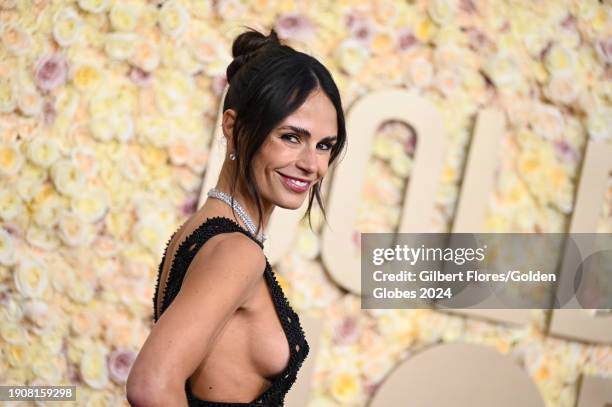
(296, 153)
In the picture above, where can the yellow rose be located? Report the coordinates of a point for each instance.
(8, 95)
(401, 163)
(47, 212)
(18, 355)
(31, 277)
(13, 333)
(90, 205)
(173, 18)
(66, 177)
(86, 76)
(346, 386)
(93, 368)
(560, 60)
(382, 42)
(67, 27)
(93, 6)
(16, 39)
(503, 69)
(47, 368)
(150, 235)
(351, 56)
(424, 30)
(123, 16)
(120, 45)
(11, 159)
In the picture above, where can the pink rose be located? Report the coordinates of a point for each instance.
(218, 83)
(406, 39)
(346, 331)
(120, 363)
(51, 71)
(294, 25)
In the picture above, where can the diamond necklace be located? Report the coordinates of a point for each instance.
(215, 193)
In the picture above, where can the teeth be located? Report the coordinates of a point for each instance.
(298, 183)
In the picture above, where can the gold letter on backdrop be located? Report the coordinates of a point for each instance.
(340, 256)
(458, 375)
(576, 323)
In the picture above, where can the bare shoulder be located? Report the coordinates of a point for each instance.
(233, 251)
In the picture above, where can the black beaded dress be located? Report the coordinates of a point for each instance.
(274, 396)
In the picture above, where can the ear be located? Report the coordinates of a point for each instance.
(227, 124)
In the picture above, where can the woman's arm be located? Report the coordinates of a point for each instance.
(220, 278)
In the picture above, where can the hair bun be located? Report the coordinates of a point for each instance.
(246, 45)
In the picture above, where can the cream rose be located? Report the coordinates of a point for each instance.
(120, 45)
(43, 151)
(94, 368)
(66, 177)
(146, 55)
(37, 312)
(420, 72)
(86, 76)
(599, 124)
(7, 245)
(90, 205)
(123, 16)
(441, 11)
(345, 386)
(67, 27)
(31, 277)
(93, 6)
(351, 56)
(173, 18)
(16, 39)
(8, 95)
(29, 101)
(560, 60)
(72, 229)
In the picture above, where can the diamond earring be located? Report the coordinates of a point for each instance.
(232, 156)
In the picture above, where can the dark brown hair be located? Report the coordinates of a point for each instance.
(267, 82)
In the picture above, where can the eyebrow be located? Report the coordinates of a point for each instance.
(306, 133)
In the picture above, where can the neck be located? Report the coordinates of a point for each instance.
(241, 195)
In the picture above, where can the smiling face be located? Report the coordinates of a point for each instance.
(296, 153)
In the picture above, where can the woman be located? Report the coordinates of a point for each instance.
(225, 334)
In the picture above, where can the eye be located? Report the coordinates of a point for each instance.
(327, 146)
(290, 137)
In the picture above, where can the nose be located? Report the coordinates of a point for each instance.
(307, 161)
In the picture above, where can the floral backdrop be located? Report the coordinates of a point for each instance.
(106, 113)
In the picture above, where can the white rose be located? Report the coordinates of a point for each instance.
(72, 230)
(173, 18)
(120, 45)
(13, 333)
(8, 95)
(90, 206)
(93, 6)
(150, 234)
(503, 69)
(37, 312)
(441, 11)
(81, 291)
(47, 212)
(43, 151)
(547, 121)
(599, 124)
(308, 243)
(10, 311)
(123, 16)
(42, 238)
(67, 27)
(7, 247)
(67, 178)
(351, 56)
(562, 88)
(93, 368)
(31, 277)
